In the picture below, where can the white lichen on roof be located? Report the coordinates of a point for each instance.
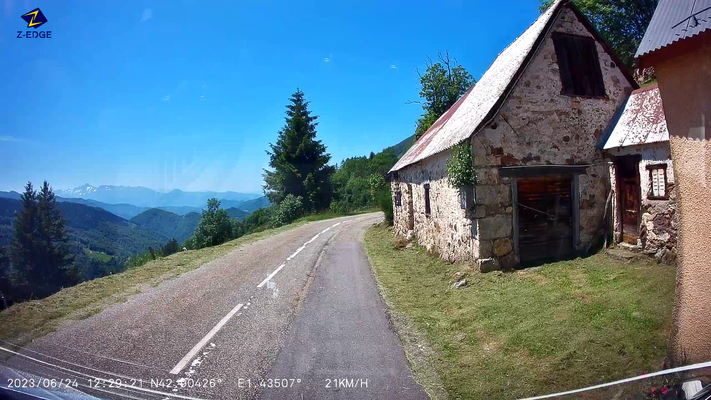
(460, 121)
(642, 120)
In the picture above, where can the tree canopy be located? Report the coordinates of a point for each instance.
(299, 162)
(621, 22)
(40, 258)
(442, 84)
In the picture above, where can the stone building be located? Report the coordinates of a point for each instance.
(534, 122)
(645, 211)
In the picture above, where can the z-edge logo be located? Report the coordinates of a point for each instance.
(34, 18)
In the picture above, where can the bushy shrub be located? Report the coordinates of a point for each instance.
(171, 247)
(460, 167)
(288, 210)
(376, 183)
(385, 203)
(214, 227)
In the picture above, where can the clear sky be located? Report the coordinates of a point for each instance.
(188, 94)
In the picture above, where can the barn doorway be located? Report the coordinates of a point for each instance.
(546, 217)
(628, 196)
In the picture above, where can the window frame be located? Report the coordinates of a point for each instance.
(428, 205)
(567, 73)
(650, 193)
(398, 198)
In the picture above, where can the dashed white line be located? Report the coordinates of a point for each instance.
(264, 282)
(268, 278)
(203, 342)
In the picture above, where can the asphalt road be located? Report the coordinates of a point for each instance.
(299, 309)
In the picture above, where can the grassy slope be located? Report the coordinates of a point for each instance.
(25, 321)
(506, 335)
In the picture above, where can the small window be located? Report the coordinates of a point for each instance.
(427, 199)
(579, 65)
(657, 182)
(398, 198)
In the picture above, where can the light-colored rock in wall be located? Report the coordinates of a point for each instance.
(535, 126)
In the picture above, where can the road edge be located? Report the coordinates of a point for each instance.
(418, 352)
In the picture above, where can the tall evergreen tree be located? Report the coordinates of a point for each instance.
(299, 162)
(41, 260)
(23, 243)
(55, 258)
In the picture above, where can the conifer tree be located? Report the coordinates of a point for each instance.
(55, 258)
(23, 244)
(41, 260)
(299, 162)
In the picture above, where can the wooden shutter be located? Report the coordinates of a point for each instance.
(579, 65)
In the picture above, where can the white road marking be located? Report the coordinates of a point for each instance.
(138, 388)
(268, 278)
(264, 282)
(204, 341)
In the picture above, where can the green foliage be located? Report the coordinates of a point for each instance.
(169, 248)
(288, 210)
(5, 283)
(376, 183)
(352, 180)
(299, 162)
(442, 84)
(39, 254)
(460, 167)
(168, 224)
(214, 227)
(384, 201)
(621, 22)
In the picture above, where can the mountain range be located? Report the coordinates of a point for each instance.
(128, 211)
(144, 197)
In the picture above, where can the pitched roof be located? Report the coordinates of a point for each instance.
(642, 120)
(673, 21)
(463, 118)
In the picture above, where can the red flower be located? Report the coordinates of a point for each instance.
(654, 390)
(664, 390)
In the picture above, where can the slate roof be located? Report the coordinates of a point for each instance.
(673, 21)
(642, 120)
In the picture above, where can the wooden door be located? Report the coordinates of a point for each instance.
(545, 217)
(628, 197)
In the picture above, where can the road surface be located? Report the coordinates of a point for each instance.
(299, 309)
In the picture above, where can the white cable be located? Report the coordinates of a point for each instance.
(636, 378)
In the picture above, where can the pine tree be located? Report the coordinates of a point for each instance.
(23, 244)
(55, 259)
(299, 162)
(41, 260)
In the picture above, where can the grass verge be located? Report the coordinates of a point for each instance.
(509, 335)
(28, 320)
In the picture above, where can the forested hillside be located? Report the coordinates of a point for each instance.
(168, 224)
(237, 213)
(90, 228)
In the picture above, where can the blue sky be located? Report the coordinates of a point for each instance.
(188, 94)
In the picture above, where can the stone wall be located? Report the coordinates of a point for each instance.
(660, 218)
(539, 126)
(536, 125)
(447, 230)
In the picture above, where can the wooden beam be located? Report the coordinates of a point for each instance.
(541, 170)
(575, 192)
